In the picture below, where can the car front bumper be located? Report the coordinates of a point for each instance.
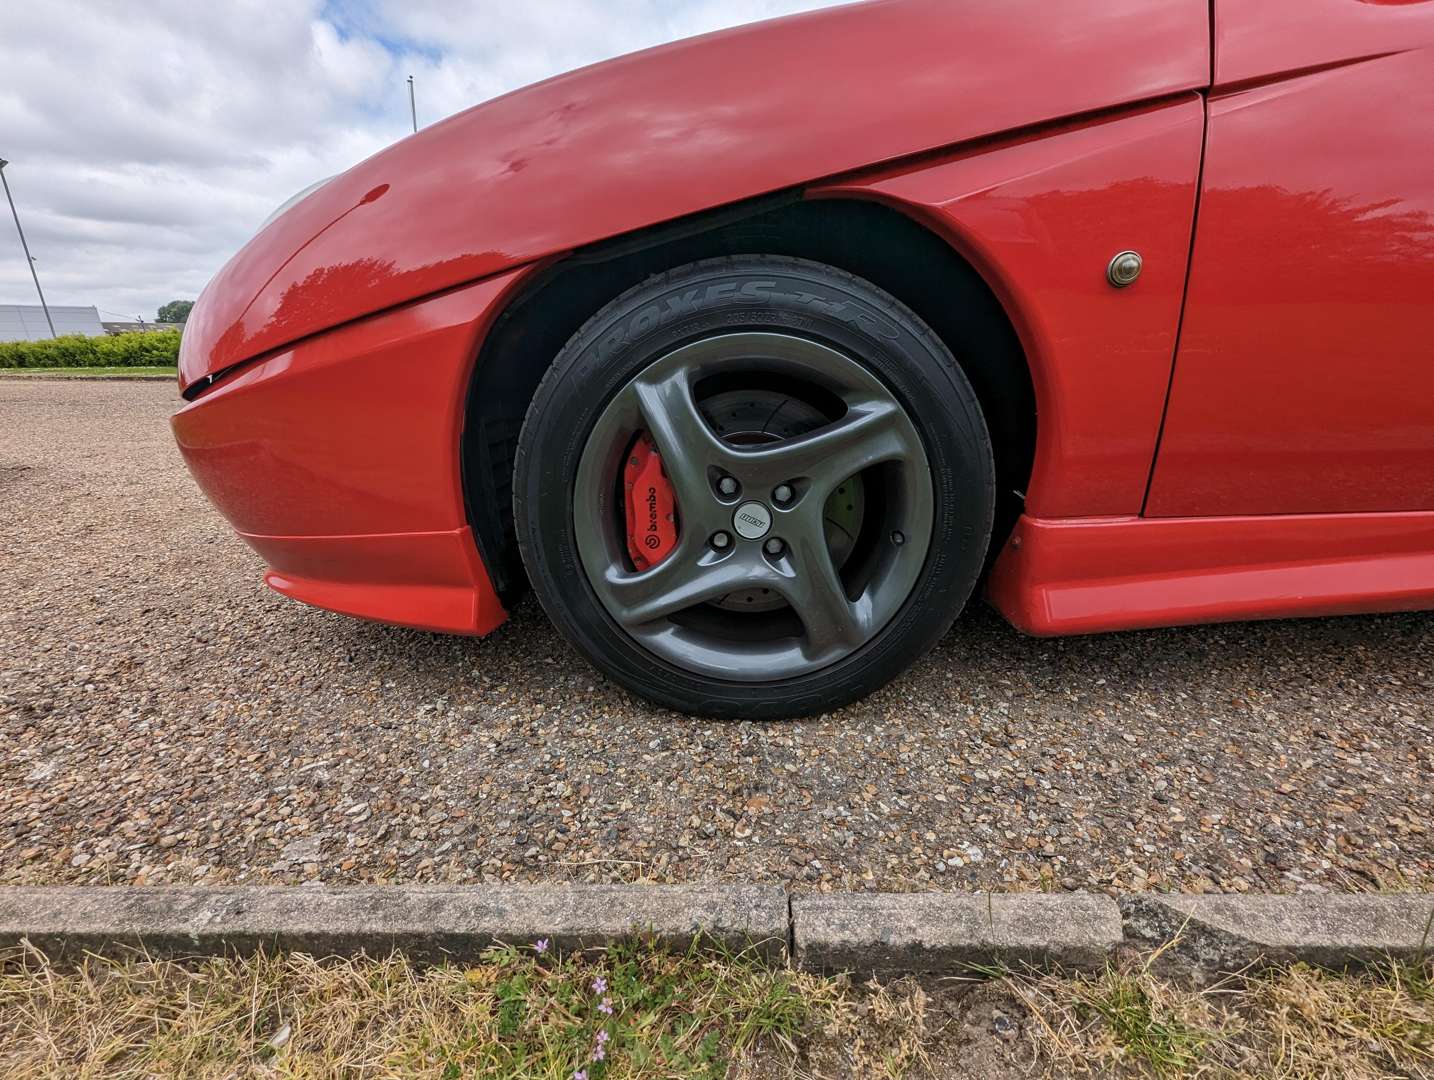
(338, 459)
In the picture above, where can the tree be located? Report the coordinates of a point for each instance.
(175, 311)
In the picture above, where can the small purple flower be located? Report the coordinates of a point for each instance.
(602, 1036)
(598, 1052)
(540, 946)
(581, 1074)
(606, 1007)
(599, 985)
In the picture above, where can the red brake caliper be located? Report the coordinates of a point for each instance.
(651, 507)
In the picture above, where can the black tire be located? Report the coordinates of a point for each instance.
(765, 294)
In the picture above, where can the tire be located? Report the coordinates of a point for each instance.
(863, 384)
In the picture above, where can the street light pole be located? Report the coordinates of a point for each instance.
(412, 105)
(29, 259)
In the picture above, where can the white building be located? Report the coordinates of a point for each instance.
(26, 322)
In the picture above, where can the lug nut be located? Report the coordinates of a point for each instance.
(773, 546)
(727, 485)
(782, 493)
(898, 538)
(720, 540)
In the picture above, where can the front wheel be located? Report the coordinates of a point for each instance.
(754, 487)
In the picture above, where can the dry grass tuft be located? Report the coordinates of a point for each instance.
(873, 1030)
(1299, 1023)
(1314, 1024)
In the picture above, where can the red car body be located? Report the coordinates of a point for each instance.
(1246, 432)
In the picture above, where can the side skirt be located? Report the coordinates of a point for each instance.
(1087, 575)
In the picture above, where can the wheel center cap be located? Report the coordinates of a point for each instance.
(752, 521)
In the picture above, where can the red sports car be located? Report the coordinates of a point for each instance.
(755, 354)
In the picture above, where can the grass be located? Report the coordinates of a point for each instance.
(87, 372)
(515, 1014)
(518, 1014)
(1142, 1023)
(1297, 1023)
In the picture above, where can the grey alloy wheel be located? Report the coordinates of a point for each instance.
(831, 598)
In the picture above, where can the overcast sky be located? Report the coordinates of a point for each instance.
(149, 139)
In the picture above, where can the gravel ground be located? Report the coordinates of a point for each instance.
(165, 718)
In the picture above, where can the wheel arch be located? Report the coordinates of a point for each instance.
(865, 237)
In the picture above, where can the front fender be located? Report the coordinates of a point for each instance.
(678, 130)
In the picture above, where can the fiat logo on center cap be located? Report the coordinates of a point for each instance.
(752, 520)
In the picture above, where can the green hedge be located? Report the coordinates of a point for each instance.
(159, 349)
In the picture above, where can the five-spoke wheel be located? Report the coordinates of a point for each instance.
(754, 487)
(753, 507)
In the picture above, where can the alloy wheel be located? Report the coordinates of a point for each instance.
(796, 542)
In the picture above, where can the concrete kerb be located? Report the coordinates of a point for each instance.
(1213, 934)
(862, 933)
(953, 933)
(428, 923)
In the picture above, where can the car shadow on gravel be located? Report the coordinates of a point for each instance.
(981, 650)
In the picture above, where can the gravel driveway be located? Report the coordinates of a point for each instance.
(165, 718)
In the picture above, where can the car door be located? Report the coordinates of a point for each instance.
(1304, 376)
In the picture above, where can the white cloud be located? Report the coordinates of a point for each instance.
(147, 142)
